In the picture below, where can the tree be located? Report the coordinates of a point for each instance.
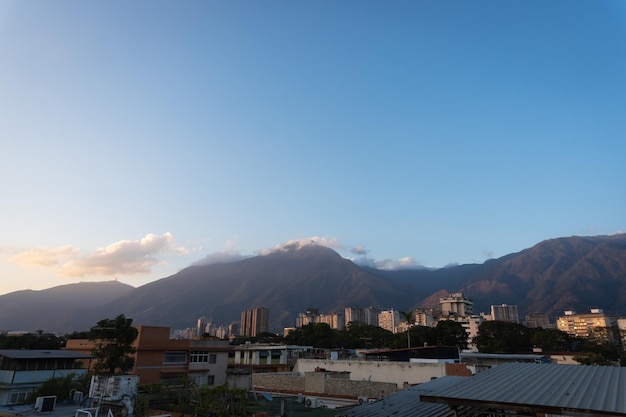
(497, 336)
(552, 340)
(408, 316)
(113, 350)
(450, 333)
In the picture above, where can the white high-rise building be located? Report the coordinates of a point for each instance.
(456, 305)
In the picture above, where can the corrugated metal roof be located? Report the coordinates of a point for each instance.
(539, 387)
(406, 403)
(42, 354)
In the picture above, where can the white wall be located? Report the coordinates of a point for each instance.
(375, 371)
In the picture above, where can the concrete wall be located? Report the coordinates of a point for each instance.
(397, 373)
(321, 383)
(278, 382)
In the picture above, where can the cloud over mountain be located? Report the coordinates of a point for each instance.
(125, 257)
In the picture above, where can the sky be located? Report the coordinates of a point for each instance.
(138, 138)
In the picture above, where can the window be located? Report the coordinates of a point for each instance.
(174, 357)
(17, 397)
(210, 380)
(201, 356)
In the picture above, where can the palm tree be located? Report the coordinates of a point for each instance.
(408, 316)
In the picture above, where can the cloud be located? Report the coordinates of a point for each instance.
(221, 258)
(46, 257)
(407, 262)
(126, 257)
(488, 254)
(359, 250)
(329, 242)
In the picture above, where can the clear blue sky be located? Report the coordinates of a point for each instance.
(139, 137)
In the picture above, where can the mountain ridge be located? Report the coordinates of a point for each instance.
(571, 273)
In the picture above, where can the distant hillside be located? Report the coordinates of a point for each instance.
(574, 273)
(57, 309)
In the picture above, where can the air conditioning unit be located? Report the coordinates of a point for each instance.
(312, 402)
(363, 400)
(77, 396)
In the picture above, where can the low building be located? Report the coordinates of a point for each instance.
(23, 371)
(161, 359)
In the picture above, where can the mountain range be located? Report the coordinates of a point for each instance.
(572, 273)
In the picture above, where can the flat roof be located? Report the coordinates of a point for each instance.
(541, 388)
(42, 354)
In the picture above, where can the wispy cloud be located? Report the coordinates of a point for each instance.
(126, 257)
(359, 250)
(221, 257)
(329, 242)
(407, 262)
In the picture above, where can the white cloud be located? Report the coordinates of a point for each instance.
(359, 250)
(407, 262)
(126, 257)
(221, 257)
(329, 242)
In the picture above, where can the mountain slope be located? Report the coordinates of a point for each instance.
(59, 309)
(574, 273)
(286, 282)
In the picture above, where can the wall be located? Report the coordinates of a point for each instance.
(321, 383)
(397, 373)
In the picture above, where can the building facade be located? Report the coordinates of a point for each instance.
(389, 320)
(456, 305)
(161, 359)
(505, 312)
(254, 321)
(594, 323)
(23, 371)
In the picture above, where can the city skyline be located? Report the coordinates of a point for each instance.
(141, 138)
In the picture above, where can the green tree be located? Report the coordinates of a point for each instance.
(408, 317)
(450, 333)
(496, 336)
(113, 350)
(551, 340)
(62, 387)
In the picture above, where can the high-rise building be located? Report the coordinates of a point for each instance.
(389, 320)
(367, 315)
(456, 305)
(254, 321)
(505, 312)
(538, 321)
(335, 320)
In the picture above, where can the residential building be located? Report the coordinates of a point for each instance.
(594, 323)
(367, 315)
(424, 317)
(254, 321)
(456, 305)
(23, 371)
(504, 312)
(310, 316)
(335, 320)
(389, 320)
(538, 321)
(161, 359)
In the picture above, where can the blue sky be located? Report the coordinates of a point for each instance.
(140, 137)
